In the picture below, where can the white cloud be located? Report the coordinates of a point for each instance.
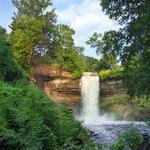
(86, 18)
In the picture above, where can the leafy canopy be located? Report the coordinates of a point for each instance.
(32, 30)
(134, 39)
(9, 69)
(106, 46)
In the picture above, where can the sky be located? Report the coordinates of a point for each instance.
(84, 16)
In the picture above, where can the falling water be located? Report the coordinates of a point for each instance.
(90, 96)
(105, 128)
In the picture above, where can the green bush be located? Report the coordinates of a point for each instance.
(9, 69)
(29, 120)
(116, 72)
(130, 138)
(72, 135)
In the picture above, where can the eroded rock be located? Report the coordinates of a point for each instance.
(61, 87)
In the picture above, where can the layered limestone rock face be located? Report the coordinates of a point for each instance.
(112, 87)
(61, 87)
(58, 84)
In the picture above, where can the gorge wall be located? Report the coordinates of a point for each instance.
(61, 87)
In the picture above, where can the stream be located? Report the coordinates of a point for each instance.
(107, 133)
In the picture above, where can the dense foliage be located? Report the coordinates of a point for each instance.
(115, 73)
(67, 54)
(33, 30)
(29, 120)
(9, 69)
(36, 37)
(24, 123)
(128, 139)
(106, 46)
(133, 41)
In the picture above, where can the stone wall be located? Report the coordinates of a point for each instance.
(62, 88)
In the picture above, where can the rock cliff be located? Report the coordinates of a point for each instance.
(58, 84)
(111, 87)
(62, 88)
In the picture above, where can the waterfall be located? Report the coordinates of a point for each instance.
(104, 126)
(90, 96)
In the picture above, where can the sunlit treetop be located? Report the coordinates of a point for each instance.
(31, 7)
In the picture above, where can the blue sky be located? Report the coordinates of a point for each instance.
(6, 12)
(84, 16)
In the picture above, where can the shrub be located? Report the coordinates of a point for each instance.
(72, 135)
(29, 120)
(130, 138)
(9, 69)
(116, 72)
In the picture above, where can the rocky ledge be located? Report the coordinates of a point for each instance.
(57, 83)
(61, 87)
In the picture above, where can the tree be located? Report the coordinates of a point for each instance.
(67, 54)
(9, 69)
(91, 64)
(32, 30)
(106, 46)
(2, 33)
(64, 44)
(134, 38)
(31, 8)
